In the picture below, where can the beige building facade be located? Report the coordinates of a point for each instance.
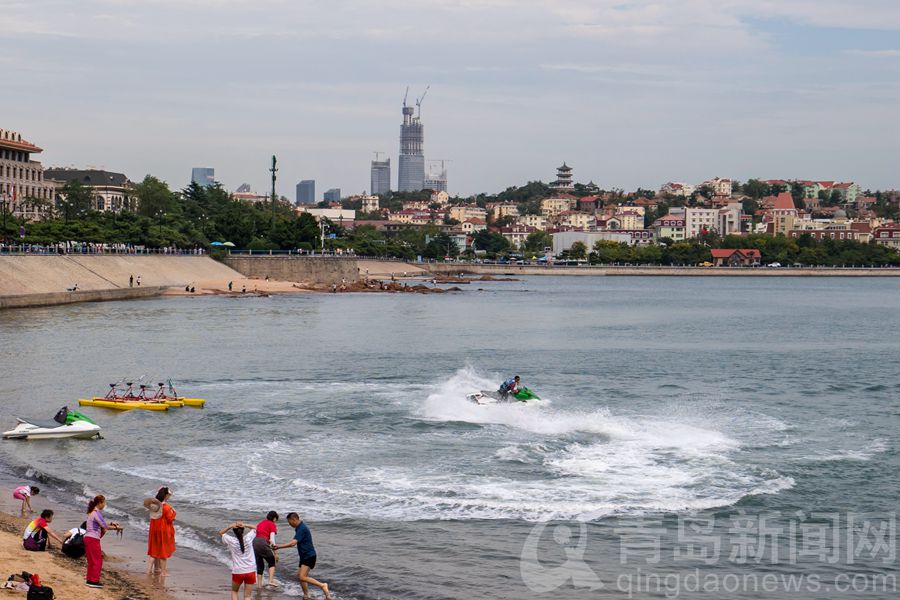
(23, 191)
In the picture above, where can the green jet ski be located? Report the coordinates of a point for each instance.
(487, 397)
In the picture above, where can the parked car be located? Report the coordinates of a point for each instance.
(774, 265)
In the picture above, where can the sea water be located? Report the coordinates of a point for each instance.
(706, 428)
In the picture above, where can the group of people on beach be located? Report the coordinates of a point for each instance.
(253, 549)
(78, 542)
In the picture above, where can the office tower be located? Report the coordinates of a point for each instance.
(203, 176)
(381, 177)
(306, 191)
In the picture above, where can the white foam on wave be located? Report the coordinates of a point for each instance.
(865, 451)
(531, 462)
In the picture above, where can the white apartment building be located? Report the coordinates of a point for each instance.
(536, 221)
(699, 220)
(724, 221)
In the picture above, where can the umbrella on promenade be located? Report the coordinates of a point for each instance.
(229, 244)
(217, 244)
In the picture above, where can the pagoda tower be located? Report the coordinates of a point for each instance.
(563, 181)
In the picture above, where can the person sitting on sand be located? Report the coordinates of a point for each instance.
(36, 534)
(24, 493)
(243, 562)
(307, 553)
(229, 285)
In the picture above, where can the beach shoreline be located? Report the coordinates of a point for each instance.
(191, 574)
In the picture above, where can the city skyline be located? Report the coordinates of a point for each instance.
(631, 94)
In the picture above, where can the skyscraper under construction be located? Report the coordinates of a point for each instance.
(411, 172)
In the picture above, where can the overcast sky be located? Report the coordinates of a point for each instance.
(628, 92)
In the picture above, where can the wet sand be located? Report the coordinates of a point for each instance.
(191, 574)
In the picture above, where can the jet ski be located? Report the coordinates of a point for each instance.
(489, 397)
(66, 424)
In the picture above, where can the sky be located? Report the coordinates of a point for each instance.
(628, 92)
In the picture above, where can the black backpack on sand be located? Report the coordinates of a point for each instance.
(40, 592)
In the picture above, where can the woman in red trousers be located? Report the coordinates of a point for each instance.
(96, 529)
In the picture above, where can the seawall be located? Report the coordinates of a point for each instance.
(455, 268)
(53, 298)
(43, 280)
(309, 269)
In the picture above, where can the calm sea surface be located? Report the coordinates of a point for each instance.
(723, 429)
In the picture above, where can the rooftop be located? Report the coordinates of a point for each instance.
(13, 141)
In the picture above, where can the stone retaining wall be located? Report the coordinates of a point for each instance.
(54, 298)
(308, 269)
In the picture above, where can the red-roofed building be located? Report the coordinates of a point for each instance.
(749, 257)
(888, 235)
(588, 203)
(470, 226)
(23, 190)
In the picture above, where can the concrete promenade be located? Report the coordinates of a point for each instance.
(43, 280)
(654, 271)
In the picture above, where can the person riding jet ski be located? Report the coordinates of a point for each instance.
(510, 386)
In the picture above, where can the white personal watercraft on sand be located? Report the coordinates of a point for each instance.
(66, 424)
(524, 395)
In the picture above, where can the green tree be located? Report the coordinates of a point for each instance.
(537, 241)
(757, 189)
(155, 198)
(578, 251)
(490, 242)
(75, 200)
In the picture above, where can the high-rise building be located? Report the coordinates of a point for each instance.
(381, 177)
(306, 191)
(436, 180)
(411, 173)
(203, 176)
(333, 195)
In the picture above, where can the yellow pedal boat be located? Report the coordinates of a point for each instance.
(195, 402)
(123, 404)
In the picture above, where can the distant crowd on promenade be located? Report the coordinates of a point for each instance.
(94, 248)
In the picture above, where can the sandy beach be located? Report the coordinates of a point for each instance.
(254, 287)
(191, 575)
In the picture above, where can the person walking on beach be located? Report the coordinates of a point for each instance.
(243, 562)
(139, 281)
(36, 534)
(131, 281)
(96, 528)
(262, 547)
(307, 553)
(161, 541)
(24, 493)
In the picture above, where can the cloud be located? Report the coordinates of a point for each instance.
(874, 53)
